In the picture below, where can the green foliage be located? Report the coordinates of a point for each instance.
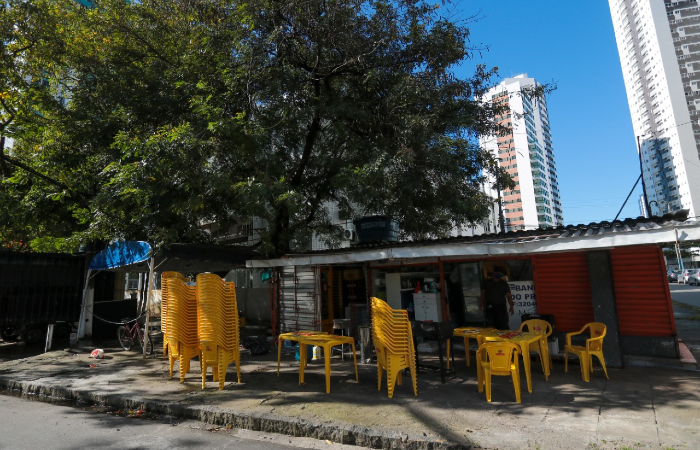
(687, 251)
(158, 116)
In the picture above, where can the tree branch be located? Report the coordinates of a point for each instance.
(148, 45)
(46, 178)
(23, 166)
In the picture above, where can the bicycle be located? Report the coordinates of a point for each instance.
(128, 334)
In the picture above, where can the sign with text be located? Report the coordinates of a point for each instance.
(524, 301)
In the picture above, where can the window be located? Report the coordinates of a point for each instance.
(132, 281)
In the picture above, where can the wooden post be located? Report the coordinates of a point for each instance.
(148, 306)
(49, 338)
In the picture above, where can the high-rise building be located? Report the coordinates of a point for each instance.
(525, 151)
(659, 46)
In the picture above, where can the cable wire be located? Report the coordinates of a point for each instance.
(114, 323)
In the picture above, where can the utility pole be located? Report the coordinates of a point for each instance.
(678, 252)
(644, 187)
(501, 221)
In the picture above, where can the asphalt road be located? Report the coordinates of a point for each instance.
(687, 294)
(686, 311)
(28, 424)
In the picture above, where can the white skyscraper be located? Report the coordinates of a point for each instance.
(526, 153)
(659, 46)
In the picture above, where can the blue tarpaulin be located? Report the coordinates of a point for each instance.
(121, 253)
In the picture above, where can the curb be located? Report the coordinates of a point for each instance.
(344, 434)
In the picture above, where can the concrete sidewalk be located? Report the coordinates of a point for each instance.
(639, 407)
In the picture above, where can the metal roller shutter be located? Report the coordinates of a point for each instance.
(298, 306)
(641, 292)
(563, 289)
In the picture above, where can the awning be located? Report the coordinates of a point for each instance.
(120, 254)
(132, 256)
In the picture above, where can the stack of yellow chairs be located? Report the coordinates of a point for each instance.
(217, 319)
(165, 295)
(179, 322)
(393, 342)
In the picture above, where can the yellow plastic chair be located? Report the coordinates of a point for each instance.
(499, 358)
(544, 328)
(393, 342)
(594, 347)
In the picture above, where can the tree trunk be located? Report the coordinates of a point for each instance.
(280, 231)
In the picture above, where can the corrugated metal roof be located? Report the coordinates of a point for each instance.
(519, 236)
(566, 238)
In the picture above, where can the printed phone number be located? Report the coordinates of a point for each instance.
(520, 304)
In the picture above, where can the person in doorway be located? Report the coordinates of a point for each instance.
(493, 298)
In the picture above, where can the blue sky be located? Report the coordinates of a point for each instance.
(571, 43)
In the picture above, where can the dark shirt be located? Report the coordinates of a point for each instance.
(495, 292)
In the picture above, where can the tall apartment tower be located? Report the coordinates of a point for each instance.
(527, 154)
(659, 46)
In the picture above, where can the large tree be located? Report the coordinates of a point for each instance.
(22, 89)
(167, 114)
